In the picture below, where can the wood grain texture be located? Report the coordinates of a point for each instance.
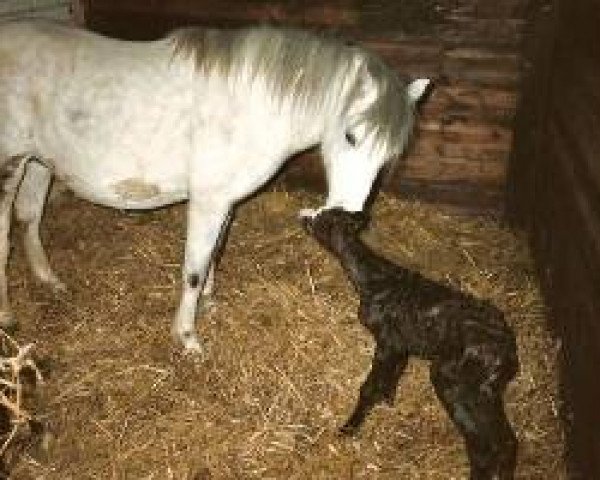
(554, 192)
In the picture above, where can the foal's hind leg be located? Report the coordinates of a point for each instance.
(11, 174)
(29, 208)
(481, 419)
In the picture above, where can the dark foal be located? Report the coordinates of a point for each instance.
(472, 352)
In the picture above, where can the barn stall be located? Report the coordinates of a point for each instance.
(286, 353)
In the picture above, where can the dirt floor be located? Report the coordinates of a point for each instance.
(286, 354)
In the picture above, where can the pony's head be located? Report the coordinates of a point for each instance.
(333, 93)
(373, 128)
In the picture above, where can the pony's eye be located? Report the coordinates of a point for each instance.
(351, 139)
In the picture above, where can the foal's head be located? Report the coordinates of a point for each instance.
(332, 226)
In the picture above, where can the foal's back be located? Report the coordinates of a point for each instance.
(431, 318)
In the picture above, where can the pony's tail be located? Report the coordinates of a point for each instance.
(11, 174)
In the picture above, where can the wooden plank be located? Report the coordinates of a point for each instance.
(484, 77)
(459, 130)
(479, 66)
(554, 180)
(448, 169)
(20, 9)
(583, 201)
(576, 110)
(569, 244)
(231, 12)
(471, 30)
(79, 10)
(488, 56)
(489, 100)
(452, 196)
(422, 58)
(523, 176)
(470, 103)
(431, 144)
(384, 18)
(488, 9)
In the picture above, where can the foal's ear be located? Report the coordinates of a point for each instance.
(417, 89)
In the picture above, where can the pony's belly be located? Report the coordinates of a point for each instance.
(128, 193)
(109, 200)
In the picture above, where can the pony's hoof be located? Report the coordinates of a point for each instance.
(191, 344)
(58, 287)
(53, 282)
(50, 281)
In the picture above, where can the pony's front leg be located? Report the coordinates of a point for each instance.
(205, 224)
(29, 208)
(209, 283)
(11, 174)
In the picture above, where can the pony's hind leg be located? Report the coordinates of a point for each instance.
(29, 208)
(11, 174)
(205, 226)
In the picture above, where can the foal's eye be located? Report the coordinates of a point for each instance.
(351, 139)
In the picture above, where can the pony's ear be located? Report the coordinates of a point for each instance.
(368, 89)
(417, 89)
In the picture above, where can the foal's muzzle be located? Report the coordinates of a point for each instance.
(307, 218)
(307, 224)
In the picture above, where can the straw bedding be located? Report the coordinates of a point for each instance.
(286, 354)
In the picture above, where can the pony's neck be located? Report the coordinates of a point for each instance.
(305, 132)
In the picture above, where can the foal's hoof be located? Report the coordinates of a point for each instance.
(347, 430)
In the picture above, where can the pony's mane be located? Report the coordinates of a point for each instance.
(308, 73)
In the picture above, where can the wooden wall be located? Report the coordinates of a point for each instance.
(554, 192)
(17, 9)
(471, 48)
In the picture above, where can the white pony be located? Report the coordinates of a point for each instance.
(202, 115)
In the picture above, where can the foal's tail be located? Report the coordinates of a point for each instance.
(11, 174)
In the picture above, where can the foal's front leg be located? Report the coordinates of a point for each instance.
(205, 224)
(380, 385)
